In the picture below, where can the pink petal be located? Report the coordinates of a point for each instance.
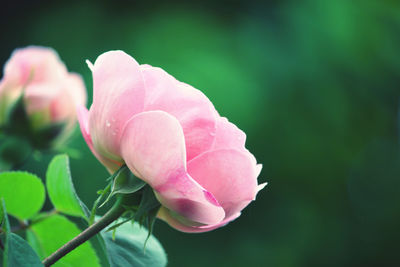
(63, 108)
(229, 174)
(153, 147)
(258, 169)
(118, 95)
(83, 115)
(73, 94)
(34, 64)
(228, 135)
(165, 215)
(75, 87)
(192, 108)
(261, 186)
(38, 97)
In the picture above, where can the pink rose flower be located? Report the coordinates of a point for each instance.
(169, 135)
(50, 93)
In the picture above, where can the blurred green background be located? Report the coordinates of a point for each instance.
(314, 84)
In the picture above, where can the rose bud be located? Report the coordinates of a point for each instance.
(170, 136)
(38, 96)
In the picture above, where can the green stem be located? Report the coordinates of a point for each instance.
(113, 214)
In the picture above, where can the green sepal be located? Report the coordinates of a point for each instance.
(124, 182)
(145, 214)
(148, 203)
(96, 203)
(148, 209)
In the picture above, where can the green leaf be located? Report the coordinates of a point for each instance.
(34, 242)
(61, 190)
(128, 248)
(17, 251)
(55, 231)
(23, 193)
(20, 253)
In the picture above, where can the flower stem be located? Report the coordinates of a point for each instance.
(113, 214)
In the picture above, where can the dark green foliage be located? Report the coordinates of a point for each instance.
(126, 249)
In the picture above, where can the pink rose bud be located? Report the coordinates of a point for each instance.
(50, 93)
(169, 135)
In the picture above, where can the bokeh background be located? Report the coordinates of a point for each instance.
(314, 84)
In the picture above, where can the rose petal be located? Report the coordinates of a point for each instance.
(83, 115)
(76, 88)
(38, 97)
(165, 215)
(118, 95)
(153, 147)
(192, 108)
(229, 175)
(228, 135)
(73, 94)
(34, 64)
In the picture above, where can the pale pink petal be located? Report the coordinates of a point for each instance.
(72, 94)
(63, 108)
(83, 114)
(118, 94)
(192, 108)
(38, 96)
(228, 135)
(165, 215)
(34, 64)
(229, 175)
(261, 187)
(75, 86)
(153, 147)
(258, 169)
